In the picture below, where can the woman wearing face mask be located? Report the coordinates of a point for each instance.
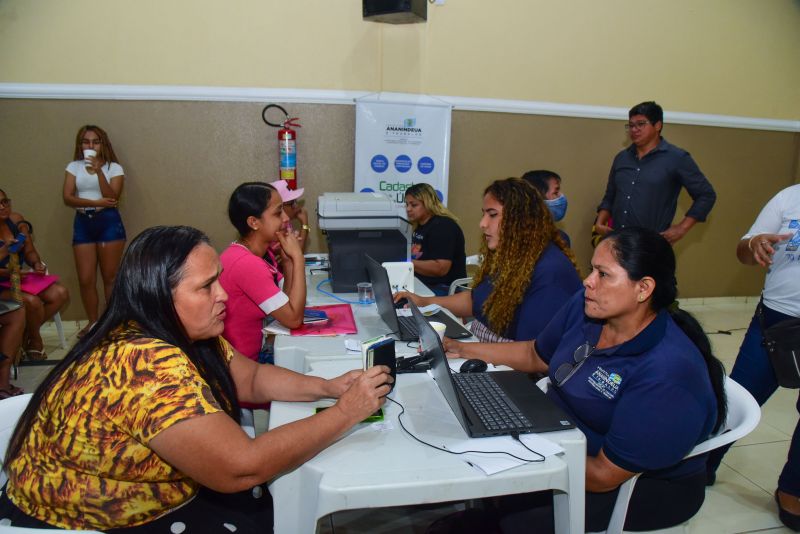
(528, 271)
(548, 184)
(256, 211)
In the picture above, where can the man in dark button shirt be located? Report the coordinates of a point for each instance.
(646, 179)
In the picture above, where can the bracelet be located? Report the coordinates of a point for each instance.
(750, 243)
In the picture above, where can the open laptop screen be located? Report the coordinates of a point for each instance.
(431, 346)
(383, 293)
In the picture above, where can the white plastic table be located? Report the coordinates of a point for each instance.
(371, 469)
(300, 353)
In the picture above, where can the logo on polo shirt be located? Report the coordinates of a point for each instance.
(607, 384)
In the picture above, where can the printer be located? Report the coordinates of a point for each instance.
(359, 223)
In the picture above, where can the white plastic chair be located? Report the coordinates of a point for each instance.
(463, 284)
(460, 284)
(62, 339)
(10, 411)
(744, 414)
(474, 259)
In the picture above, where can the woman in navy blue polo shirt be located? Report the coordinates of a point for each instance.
(639, 379)
(527, 274)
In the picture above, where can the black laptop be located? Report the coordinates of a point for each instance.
(404, 327)
(499, 403)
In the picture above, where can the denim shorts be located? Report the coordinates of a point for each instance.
(98, 227)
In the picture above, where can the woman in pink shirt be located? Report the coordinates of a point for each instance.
(253, 285)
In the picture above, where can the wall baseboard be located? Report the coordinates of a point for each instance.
(323, 96)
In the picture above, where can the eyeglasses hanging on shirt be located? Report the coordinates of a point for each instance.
(567, 369)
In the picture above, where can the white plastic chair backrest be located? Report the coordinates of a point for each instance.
(744, 414)
(462, 283)
(10, 411)
(474, 259)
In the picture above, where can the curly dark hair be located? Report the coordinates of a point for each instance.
(526, 229)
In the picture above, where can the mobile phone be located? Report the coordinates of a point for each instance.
(374, 418)
(315, 317)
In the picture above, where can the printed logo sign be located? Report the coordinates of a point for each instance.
(399, 144)
(607, 384)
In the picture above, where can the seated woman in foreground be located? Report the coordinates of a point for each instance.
(252, 283)
(639, 380)
(138, 425)
(527, 273)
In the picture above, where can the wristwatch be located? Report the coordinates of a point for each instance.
(306, 227)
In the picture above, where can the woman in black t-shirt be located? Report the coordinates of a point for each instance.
(437, 250)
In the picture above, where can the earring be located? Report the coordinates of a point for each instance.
(641, 298)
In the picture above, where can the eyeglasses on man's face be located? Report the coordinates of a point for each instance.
(5, 202)
(637, 125)
(567, 369)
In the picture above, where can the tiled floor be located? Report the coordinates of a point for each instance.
(740, 501)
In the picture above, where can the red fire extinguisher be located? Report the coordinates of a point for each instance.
(287, 145)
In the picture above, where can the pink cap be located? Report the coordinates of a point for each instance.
(287, 195)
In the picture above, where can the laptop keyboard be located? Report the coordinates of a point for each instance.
(495, 410)
(408, 326)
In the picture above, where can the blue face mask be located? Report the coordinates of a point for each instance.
(558, 207)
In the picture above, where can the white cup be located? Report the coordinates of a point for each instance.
(439, 327)
(87, 153)
(364, 292)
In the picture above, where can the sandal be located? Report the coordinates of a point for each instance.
(10, 391)
(36, 355)
(85, 330)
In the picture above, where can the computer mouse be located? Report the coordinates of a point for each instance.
(473, 366)
(400, 304)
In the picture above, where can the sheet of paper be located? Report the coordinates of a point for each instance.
(430, 309)
(276, 328)
(489, 460)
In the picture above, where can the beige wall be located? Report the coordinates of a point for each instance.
(729, 57)
(182, 160)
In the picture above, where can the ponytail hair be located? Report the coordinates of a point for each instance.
(642, 252)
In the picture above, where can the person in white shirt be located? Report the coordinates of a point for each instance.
(773, 242)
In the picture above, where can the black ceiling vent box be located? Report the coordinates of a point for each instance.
(396, 11)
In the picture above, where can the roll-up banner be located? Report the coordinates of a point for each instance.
(401, 142)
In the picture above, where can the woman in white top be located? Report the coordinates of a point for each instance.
(92, 185)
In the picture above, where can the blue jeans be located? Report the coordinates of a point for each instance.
(754, 372)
